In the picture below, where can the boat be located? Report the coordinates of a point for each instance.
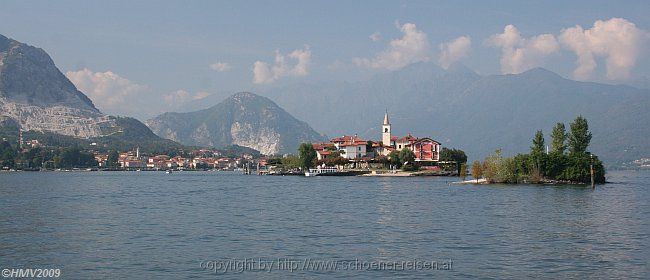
(320, 171)
(169, 171)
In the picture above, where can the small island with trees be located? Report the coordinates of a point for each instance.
(567, 162)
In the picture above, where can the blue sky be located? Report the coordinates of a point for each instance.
(163, 51)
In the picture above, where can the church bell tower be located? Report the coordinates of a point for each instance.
(385, 131)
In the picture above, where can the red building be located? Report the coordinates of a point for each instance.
(426, 149)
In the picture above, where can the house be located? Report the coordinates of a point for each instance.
(158, 162)
(101, 159)
(132, 163)
(405, 141)
(426, 149)
(324, 150)
(353, 150)
(350, 147)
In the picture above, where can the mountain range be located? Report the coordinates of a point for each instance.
(476, 113)
(37, 98)
(473, 112)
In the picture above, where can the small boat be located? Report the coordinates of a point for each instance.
(169, 171)
(321, 171)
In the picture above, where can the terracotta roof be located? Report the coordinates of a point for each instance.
(407, 138)
(346, 138)
(355, 143)
(427, 139)
(322, 146)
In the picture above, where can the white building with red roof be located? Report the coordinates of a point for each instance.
(350, 147)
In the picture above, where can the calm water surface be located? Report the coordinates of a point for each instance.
(146, 225)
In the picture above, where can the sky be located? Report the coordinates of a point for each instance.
(141, 58)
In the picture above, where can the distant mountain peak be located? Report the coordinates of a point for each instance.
(36, 96)
(540, 72)
(28, 76)
(244, 94)
(459, 68)
(243, 119)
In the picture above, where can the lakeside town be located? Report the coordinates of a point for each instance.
(567, 161)
(344, 155)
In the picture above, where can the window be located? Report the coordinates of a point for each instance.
(386, 129)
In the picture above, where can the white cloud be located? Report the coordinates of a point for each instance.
(176, 97)
(107, 90)
(200, 95)
(375, 36)
(220, 66)
(264, 74)
(411, 48)
(617, 40)
(453, 51)
(181, 96)
(520, 54)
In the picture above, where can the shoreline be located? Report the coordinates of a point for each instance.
(484, 181)
(113, 170)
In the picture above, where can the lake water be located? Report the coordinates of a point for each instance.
(147, 225)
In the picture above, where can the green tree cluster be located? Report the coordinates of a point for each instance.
(334, 159)
(290, 162)
(558, 164)
(306, 156)
(456, 156)
(29, 158)
(113, 158)
(7, 155)
(404, 159)
(74, 157)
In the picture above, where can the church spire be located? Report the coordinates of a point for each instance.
(385, 129)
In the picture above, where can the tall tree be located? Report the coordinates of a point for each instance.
(307, 155)
(559, 137)
(406, 156)
(395, 159)
(580, 136)
(463, 171)
(113, 157)
(477, 170)
(538, 143)
(537, 156)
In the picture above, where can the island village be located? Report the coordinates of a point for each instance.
(344, 155)
(364, 155)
